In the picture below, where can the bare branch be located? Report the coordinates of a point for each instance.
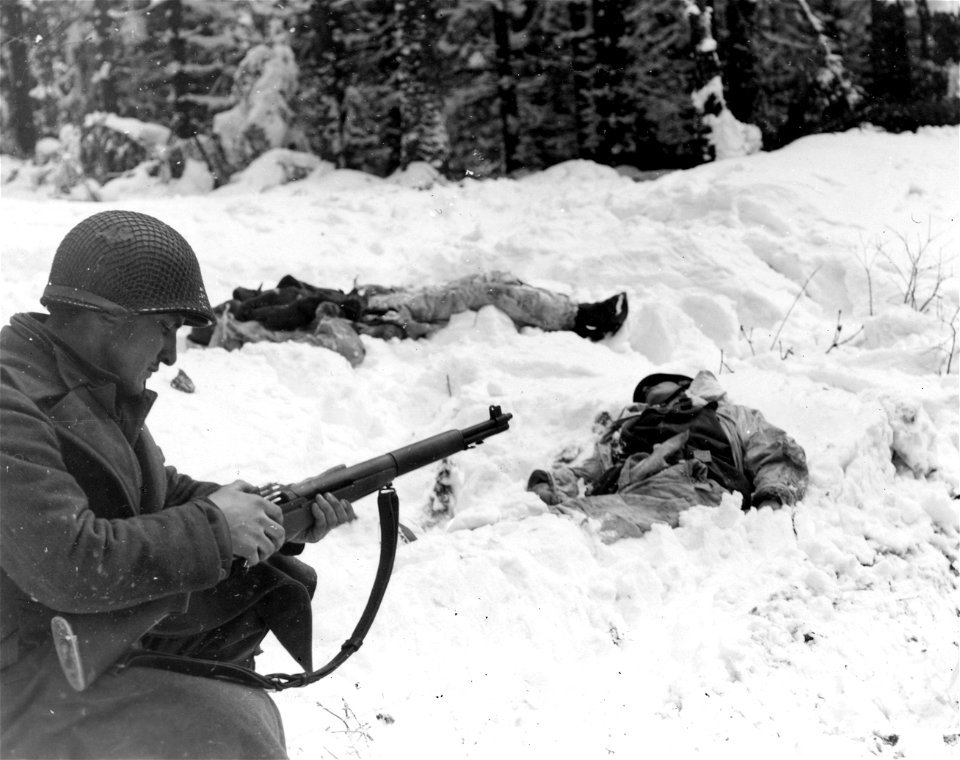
(836, 335)
(803, 289)
(749, 339)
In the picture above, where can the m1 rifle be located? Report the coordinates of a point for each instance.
(89, 644)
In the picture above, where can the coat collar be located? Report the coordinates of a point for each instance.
(80, 400)
(48, 367)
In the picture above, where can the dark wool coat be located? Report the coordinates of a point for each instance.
(91, 520)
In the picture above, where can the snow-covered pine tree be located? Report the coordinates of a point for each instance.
(913, 55)
(424, 133)
(182, 122)
(612, 99)
(506, 85)
(660, 74)
(930, 78)
(848, 24)
(322, 58)
(832, 97)
(740, 66)
(370, 113)
(185, 69)
(104, 91)
(707, 83)
(581, 57)
(889, 52)
(265, 85)
(47, 28)
(346, 51)
(925, 37)
(106, 152)
(723, 136)
(468, 47)
(546, 91)
(788, 57)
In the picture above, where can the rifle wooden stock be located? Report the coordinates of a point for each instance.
(88, 645)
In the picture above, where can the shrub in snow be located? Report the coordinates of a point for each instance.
(46, 150)
(275, 167)
(442, 501)
(10, 167)
(725, 134)
(418, 175)
(111, 145)
(151, 180)
(729, 136)
(55, 169)
(914, 436)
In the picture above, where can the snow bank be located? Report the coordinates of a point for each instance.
(828, 629)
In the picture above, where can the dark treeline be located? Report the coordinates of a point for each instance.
(484, 87)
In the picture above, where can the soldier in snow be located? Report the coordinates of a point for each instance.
(93, 523)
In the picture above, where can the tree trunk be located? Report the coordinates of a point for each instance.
(506, 89)
(424, 135)
(327, 52)
(20, 80)
(708, 101)
(837, 88)
(923, 16)
(889, 51)
(610, 65)
(580, 73)
(106, 90)
(741, 74)
(705, 58)
(182, 126)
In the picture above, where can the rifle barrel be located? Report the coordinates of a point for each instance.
(361, 479)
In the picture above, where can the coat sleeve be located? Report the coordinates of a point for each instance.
(563, 481)
(775, 463)
(182, 488)
(56, 549)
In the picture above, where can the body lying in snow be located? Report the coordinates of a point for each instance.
(680, 444)
(295, 310)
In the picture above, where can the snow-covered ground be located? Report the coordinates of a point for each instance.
(827, 630)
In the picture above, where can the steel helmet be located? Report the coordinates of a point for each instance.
(124, 262)
(640, 392)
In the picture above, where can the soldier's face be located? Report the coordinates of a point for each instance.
(660, 392)
(132, 348)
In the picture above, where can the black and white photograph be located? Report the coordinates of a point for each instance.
(479, 379)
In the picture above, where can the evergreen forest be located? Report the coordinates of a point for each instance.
(475, 88)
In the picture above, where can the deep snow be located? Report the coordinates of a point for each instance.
(825, 630)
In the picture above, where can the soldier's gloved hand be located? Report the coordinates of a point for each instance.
(328, 512)
(543, 485)
(256, 524)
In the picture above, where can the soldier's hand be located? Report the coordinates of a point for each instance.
(256, 524)
(328, 512)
